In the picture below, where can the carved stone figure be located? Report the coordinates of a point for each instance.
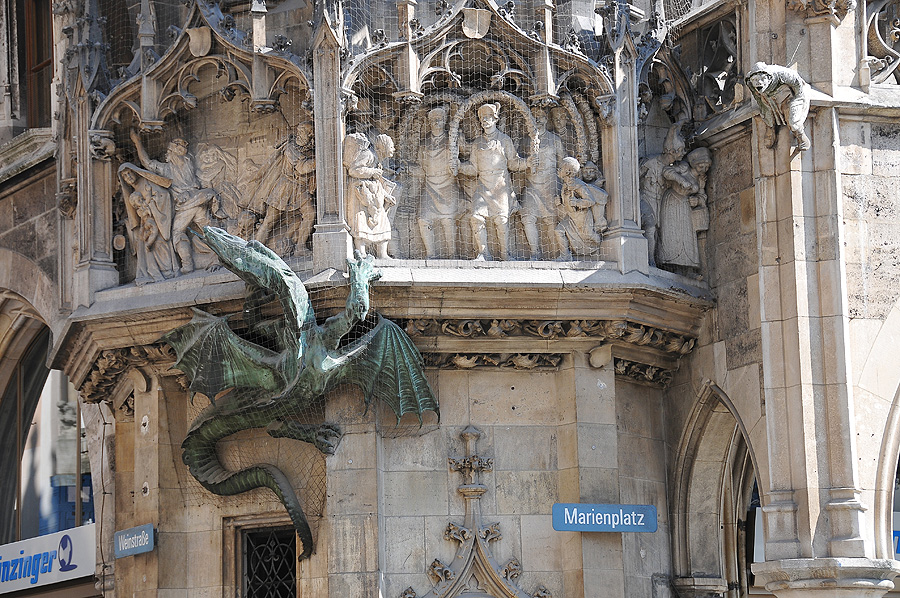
(678, 225)
(584, 206)
(369, 196)
(783, 99)
(192, 202)
(542, 190)
(216, 169)
(149, 207)
(441, 193)
(301, 364)
(493, 155)
(653, 185)
(283, 189)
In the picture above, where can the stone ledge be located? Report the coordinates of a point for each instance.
(856, 577)
(24, 151)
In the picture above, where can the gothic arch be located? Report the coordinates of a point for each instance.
(24, 278)
(714, 477)
(880, 377)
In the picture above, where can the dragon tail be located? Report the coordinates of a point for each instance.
(199, 454)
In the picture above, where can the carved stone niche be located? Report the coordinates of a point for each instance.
(429, 91)
(210, 133)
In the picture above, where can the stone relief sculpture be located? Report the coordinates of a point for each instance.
(216, 168)
(653, 185)
(783, 99)
(584, 209)
(149, 209)
(684, 195)
(283, 190)
(192, 202)
(440, 197)
(292, 374)
(493, 155)
(542, 191)
(369, 194)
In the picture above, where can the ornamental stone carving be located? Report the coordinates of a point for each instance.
(584, 209)
(284, 193)
(474, 565)
(440, 198)
(539, 204)
(683, 211)
(492, 157)
(783, 99)
(150, 210)
(192, 203)
(617, 330)
(370, 197)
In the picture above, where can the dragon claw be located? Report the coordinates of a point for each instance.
(324, 437)
(327, 438)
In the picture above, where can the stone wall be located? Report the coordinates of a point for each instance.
(29, 220)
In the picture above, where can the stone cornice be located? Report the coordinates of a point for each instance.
(623, 331)
(836, 576)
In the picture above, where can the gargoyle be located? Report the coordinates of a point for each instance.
(303, 362)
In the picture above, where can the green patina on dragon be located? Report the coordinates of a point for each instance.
(302, 362)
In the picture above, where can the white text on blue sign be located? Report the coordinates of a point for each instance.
(568, 517)
(134, 541)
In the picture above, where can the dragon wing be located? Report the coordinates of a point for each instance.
(216, 359)
(387, 366)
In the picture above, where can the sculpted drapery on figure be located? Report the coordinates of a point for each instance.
(653, 185)
(283, 190)
(441, 193)
(149, 207)
(542, 190)
(584, 206)
(192, 202)
(683, 211)
(369, 195)
(493, 155)
(783, 99)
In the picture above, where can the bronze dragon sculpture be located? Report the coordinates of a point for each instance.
(254, 386)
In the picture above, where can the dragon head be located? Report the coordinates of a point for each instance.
(362, 271)
(251, 260)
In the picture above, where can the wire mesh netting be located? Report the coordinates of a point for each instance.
(478, 170)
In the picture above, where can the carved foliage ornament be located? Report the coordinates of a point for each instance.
(466, 361)
(112, 364)
(836, 9)
(621, 330)
(642, 372)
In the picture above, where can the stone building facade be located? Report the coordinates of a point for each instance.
(645, 252)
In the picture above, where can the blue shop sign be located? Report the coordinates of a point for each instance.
(134, 541)
(568, 517)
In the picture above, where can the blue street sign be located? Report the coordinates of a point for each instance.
(134, 541)
(568, 517)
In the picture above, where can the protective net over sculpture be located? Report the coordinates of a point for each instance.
(212, 149)
(271, 371)
(213, 165)
(468, 153)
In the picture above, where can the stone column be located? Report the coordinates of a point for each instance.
(331, 239)
(94, 269)
(348, 533)
(589, 473)
(624, 240)
(814, 518)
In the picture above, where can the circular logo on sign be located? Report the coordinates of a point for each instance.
(65, 554)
